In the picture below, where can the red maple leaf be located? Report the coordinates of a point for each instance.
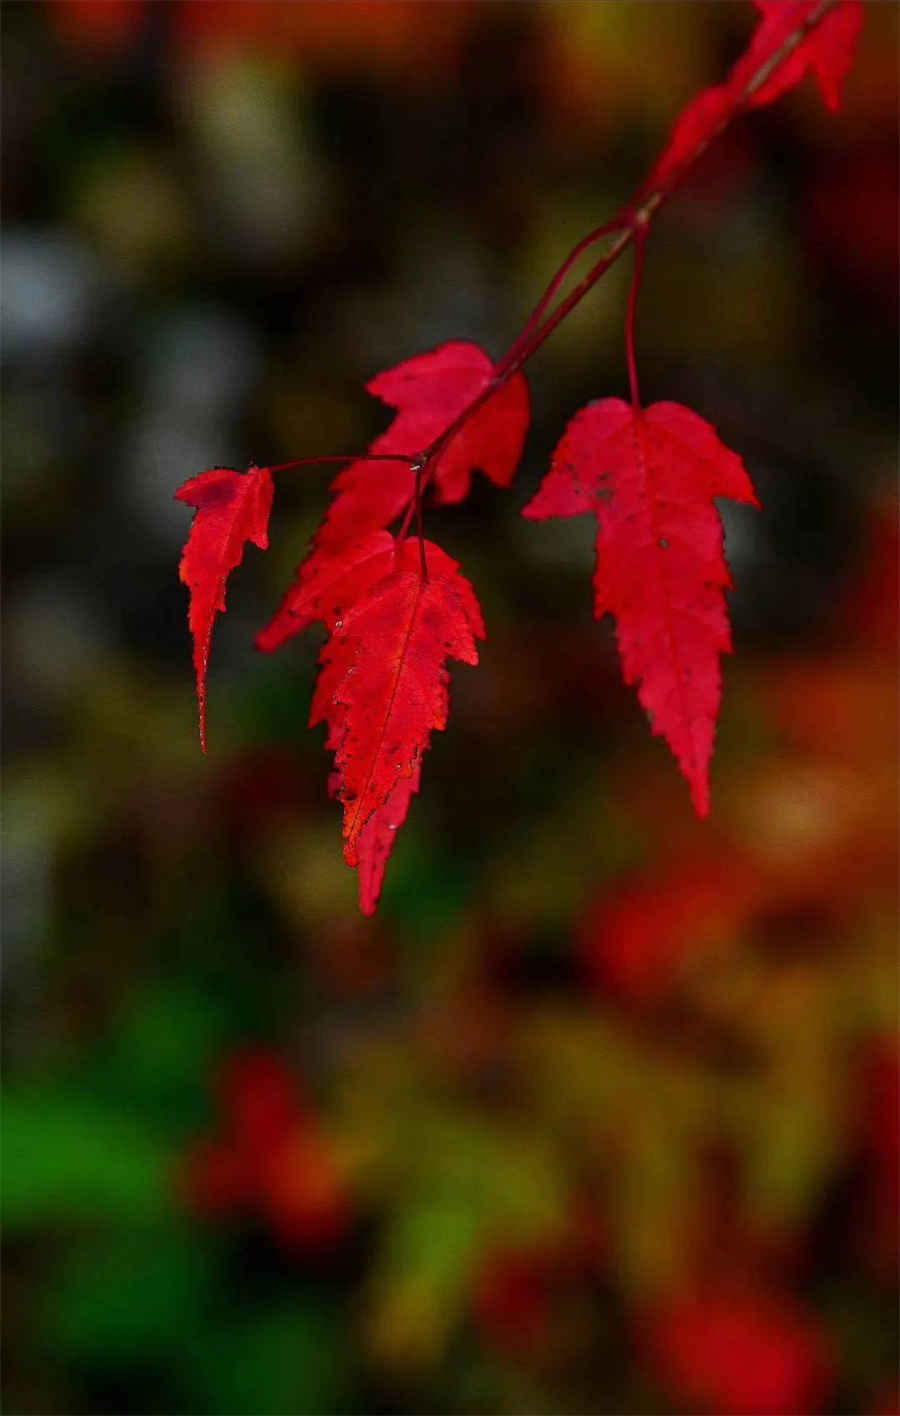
(232, 508)
(382, 690)
(429, 391)
(649, 476)
(695, 126)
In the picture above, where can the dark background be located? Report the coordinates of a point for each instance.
(599, 1112)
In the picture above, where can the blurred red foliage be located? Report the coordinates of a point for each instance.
(97, 24)
(878, 1119)
(637, 940)
(371, 34)
(871, 612)
(512, 1301)
(517, 1296)
(851, 219)
(271, 1158)
(734, 1353)
(890, 1406)
(415, 40)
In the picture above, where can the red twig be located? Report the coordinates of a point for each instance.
(640, 242)
(607, 229)
(347, 457)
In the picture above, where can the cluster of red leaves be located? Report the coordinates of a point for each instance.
(270, 1158)
(429, 392)
(396, 610)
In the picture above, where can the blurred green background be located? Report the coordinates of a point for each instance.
(599, 1114)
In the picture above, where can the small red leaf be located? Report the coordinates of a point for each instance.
(695, 126)
(650, 476)
(429, 392)
(827, 49)
(232, 508)
(382, 690)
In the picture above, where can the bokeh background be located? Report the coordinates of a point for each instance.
(599, 1113)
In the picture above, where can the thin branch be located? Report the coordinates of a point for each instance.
(640, 243)
(408, 457)
(607, 229)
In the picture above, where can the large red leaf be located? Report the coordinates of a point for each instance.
(429, 391)
(382, 690)
(649, 476)
(232, 508)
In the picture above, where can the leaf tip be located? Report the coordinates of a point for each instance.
(368, 901)
(201, 713)
(699, 785)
